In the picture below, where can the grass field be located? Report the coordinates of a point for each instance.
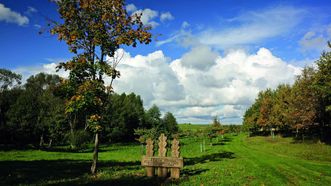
(235, 160)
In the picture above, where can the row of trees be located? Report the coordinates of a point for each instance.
(34, 114)
(303, 108)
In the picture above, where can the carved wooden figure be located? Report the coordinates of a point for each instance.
(162, 171)
(175, 153)
(149, 153)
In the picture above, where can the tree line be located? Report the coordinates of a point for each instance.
(302, 109)
(34, 113)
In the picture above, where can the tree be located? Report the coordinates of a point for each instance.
(265, 110)
(7, 97)
(279, 115)
(123, 114)
(94, 30)
(216, 122)
(170, 123)
(304, 101)
(8, 78)
(153, 117)
(323, 85)
(251, 116)
(36, 110)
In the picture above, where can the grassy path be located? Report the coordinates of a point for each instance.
(257, 161)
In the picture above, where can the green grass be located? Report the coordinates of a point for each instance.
(235, 160)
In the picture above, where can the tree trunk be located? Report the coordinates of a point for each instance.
(41, 143)
(72, 126)
(297, 132)
(95, 154)
(50, 143)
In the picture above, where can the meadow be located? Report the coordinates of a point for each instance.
(235, 159)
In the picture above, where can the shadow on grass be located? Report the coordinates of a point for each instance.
(226, 139)
(65, 172)
(192, 172)
(219, 143)
(83, 150)
(208, 158)
(122, 181)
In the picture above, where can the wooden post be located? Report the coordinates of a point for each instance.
(149, 153)
(162, 171)
(175, 153)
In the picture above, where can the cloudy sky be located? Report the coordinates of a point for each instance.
(208, 58)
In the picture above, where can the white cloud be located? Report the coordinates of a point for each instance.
(49, 68)
(254, 27)
(185, 24)
(166, 16)
(221, 86)
(9, 16)
(246, 29)
(30, 10)
(200, 57)
(131, 8)
(147, 16)
(150, 77)
(37, 26)
(316, 40)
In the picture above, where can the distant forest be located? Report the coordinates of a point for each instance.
(302, 109)
(34, 113)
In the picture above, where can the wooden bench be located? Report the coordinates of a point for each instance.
(161, 162)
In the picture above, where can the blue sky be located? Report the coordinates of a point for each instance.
(208, 52)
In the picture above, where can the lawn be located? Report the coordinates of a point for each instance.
(234, 160)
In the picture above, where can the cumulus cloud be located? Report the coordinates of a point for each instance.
(150, 77)
(221, 85)
(200, 57)
(9, 16)
(166, 16)
(49, 68)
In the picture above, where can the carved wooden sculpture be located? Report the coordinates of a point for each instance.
(149, 153)
(162, 162)
(162, 171)
(175, 154)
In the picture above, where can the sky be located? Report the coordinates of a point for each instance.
(207, 58)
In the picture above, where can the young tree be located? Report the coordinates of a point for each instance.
(251, 116)
(153, 117)
(170, 123)
(279, 115)
(94, 30)
(265, 110)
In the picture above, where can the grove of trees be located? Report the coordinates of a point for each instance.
(33, 114)
(302, 110)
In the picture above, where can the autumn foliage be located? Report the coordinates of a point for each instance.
(93, 30)
(302, 109)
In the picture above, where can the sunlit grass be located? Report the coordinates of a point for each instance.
(235, 160)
